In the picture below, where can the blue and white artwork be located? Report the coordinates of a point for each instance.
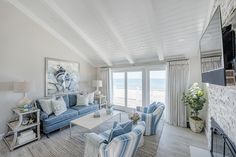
(62, 77)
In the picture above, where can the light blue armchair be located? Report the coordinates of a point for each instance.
(151, 115)
(121, 146)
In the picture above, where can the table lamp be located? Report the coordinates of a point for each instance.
(97, 84)
(22, 87)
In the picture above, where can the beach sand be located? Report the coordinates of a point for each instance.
(135, 97)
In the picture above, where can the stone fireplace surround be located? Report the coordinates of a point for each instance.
(221, 107)
(221, 145)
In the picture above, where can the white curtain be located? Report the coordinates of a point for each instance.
(177, 82)
(104, 74)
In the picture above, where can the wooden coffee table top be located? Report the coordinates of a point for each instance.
(89, 122)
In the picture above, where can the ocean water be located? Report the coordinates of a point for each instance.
(155, 84)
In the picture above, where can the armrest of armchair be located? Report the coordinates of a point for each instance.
(92, 144)
(43, 115)
(146, 117)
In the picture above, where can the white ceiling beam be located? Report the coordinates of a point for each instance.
(112, 30)
(153, 21)
(78, 30)
(43, 24)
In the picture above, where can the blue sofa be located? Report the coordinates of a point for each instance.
(50, 123)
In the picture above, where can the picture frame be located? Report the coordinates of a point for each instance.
(61, 76)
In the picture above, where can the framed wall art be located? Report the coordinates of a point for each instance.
(61, 76)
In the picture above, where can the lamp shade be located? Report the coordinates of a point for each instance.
(20, 87)
(97, 83)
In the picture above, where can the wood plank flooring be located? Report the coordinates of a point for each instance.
(174, 142)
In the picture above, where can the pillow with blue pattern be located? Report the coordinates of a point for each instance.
(119, 129)
(152, 107)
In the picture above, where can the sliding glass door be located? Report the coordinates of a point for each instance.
(118, 79)
(157, 84)
(134, 89)
(138, 87)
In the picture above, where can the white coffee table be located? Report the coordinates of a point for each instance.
(89, 122)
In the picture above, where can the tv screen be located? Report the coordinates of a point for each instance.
(211, 52)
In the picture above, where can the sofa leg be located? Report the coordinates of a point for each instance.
(47, 135)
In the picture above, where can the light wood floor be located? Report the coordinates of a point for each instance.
(175, 142)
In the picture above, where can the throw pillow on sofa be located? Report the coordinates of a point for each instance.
(91, 97)
(58, 106)
(46, 105)
(82, 100)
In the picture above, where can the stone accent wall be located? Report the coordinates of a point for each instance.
(227, 8)
(222, 107)
(222, 100)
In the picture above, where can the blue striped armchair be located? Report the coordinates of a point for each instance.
(151, 115)
(124, 145)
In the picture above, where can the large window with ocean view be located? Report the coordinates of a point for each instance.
(134, 89)
(157, 84)
(118, 79)
(138, 86)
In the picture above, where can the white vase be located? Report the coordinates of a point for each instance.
(196, 125)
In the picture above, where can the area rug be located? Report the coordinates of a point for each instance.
(61, 145)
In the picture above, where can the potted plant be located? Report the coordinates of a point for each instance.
(194, 98)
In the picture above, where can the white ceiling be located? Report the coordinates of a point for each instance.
(111, 32)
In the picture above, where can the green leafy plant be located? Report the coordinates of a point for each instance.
(194, 98)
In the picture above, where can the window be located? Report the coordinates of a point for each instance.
(134, 89)
(157, 83)
(138, 87)
(118, 88)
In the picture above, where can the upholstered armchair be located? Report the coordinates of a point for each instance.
(151, 115)
(121, 146)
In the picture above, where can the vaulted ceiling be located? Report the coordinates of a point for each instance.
(111, 32)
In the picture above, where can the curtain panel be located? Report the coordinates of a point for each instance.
(177, 82)
(104, 74)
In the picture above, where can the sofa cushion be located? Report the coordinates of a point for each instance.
(53, 119)
(82, 100)
(66, 99)
(85, 108)
(120, 129)
(58, 106)
(46, 105)
(72, 100)
(91, 97)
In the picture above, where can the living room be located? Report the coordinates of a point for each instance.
(117, 78)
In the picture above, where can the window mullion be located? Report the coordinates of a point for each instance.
(126, 92)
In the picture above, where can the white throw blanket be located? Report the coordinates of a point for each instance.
(92, 144)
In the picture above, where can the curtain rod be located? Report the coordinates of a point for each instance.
(177, 60)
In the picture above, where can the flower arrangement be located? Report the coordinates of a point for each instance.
(109, 108)
(134, 117)
(194, 98)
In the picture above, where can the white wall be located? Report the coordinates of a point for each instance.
(23, 46)
(194, 70)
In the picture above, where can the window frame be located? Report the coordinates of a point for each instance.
(145, 81)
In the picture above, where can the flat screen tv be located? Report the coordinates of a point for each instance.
(212, 52)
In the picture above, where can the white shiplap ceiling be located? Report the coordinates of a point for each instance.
(110, 32)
